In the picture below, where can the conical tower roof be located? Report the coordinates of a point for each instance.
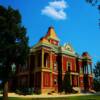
(51, 34)
(44, 40)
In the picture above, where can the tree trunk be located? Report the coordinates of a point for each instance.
(5, 91)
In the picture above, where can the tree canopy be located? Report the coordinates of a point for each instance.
(13, 42)
(95, 3)
(97, 76)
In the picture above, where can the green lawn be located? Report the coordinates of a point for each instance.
(89, 97)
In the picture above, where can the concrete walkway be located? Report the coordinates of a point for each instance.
(46, 96)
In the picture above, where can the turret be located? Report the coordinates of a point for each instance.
(87, 63)
(51, 36)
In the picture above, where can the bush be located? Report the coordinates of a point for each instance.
(96, 85)
(25, 91)
(1, 91)
(18, 91)
(73, 91)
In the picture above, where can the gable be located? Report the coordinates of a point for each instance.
(67, 48)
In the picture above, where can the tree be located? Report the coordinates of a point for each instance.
(97, 76)
(67, 83)
(13, 44)
(95, 3)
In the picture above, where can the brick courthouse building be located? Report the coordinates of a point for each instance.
(47, 64)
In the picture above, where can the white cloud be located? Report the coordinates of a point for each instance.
(58, 4)
(56, 9)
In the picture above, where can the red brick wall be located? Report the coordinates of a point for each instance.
(54, 59)
(81, 82)
(75, 81)
(64, 63)
(46, 79)
(80, 64)
(91, 82)
(71, 60)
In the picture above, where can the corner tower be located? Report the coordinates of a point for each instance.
(87, 71)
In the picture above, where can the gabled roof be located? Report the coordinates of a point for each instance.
(67, 49)
(51, 34)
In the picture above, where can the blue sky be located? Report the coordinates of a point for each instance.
(74, 21)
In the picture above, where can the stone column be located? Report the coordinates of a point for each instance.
(41, 80)
(42, 65)
(42, 59)
(62, 62)
(91, 68)
(87, 69)
(51, 68)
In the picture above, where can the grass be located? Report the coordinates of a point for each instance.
(87, 97)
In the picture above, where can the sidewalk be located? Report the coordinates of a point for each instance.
(46, 96)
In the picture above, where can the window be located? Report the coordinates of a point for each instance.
(68, 66)
(46, 59)
(55, 81)
(55, 66)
